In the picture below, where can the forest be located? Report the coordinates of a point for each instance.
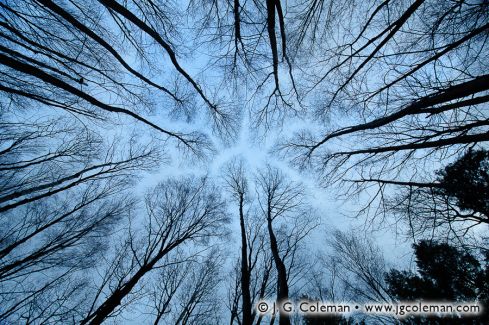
(183, 162)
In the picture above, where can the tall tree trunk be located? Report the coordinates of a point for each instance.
(115, 299)
(282, 286)
(245, 271)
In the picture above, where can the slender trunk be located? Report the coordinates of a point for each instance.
(272, 38)
(263, 288)
(115, 299)
(282, 286)
(245, 271)
(158, 318)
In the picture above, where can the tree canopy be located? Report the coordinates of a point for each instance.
(166, 161)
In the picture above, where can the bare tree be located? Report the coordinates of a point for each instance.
(278, 199)
(357, 269)
(63, 56)
(447, 206)
(184, 289)
(399, 88)
(179, 212)
(198, 300)
(63, 191)
(262, 272)
(271, 250)
(166, 284)
(251, 38)
(238, 185)
(362, 260)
